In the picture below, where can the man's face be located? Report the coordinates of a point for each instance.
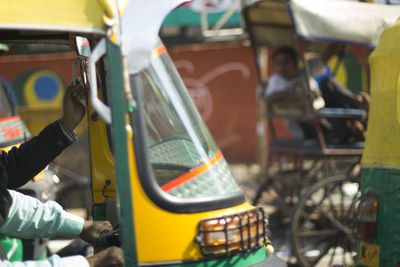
(285, 66)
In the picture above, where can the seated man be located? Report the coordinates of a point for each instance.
(26, 217)
(289, 80)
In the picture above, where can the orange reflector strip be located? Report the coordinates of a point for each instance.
(10, 118)
(158, 51)
(193, 173)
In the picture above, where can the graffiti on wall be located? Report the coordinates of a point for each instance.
(198, 88)
(39, 87)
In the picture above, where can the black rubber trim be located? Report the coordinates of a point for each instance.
(149, 184)
(105, 86)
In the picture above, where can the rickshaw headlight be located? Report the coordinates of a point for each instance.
(233, 233)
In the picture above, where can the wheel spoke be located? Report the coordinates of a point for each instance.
(332, 256)
(337, 223)
(322, 226)
(322, 253)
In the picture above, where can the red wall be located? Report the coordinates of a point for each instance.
(11, 66)
(222, 80)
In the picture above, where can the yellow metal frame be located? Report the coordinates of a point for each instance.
(102, 160)
(76, 15)
(384, 115)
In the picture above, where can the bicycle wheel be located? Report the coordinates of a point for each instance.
(323, 222)
(287, 185)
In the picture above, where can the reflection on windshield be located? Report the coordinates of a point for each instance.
(185, 159)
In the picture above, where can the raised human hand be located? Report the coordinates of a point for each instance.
(74, 106)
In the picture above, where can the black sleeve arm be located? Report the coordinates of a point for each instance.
(21, 164)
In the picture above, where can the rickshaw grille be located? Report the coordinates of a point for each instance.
(232, 234)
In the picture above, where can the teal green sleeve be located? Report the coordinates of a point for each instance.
(53, 261)
(30, 218)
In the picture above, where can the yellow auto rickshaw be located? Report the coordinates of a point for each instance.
(156, 172)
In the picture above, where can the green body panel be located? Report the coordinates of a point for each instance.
(386, 182)
(119, 135)
(247, 259)
(43, 256)
(12, 243)
(354, 73)
(188, 17)
(99, 212)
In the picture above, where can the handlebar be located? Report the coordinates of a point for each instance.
(107, 239)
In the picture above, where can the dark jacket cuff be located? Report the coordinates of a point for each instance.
(55, 135)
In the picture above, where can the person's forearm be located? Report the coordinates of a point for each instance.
(23, 163)
(53, 261)
(30, 218)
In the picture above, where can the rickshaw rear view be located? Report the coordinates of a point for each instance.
(378, 214)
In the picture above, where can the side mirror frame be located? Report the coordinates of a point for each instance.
(82, 46)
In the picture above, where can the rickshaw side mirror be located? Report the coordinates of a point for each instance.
(82, 46)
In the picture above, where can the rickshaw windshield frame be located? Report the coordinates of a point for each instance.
(204, 153)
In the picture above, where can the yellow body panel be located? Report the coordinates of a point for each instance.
(85, 14)
(368, 254)
(102, 161)
(163, 235)
(382, 146)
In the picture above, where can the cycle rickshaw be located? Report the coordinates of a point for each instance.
(318, 181)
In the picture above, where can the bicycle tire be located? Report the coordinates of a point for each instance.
(297, 181)
(324, 226)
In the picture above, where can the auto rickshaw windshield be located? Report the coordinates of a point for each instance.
(185, 160)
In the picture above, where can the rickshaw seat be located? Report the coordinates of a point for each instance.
(312, 148)
(293, 146)
(301, 110)
(346, 113)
